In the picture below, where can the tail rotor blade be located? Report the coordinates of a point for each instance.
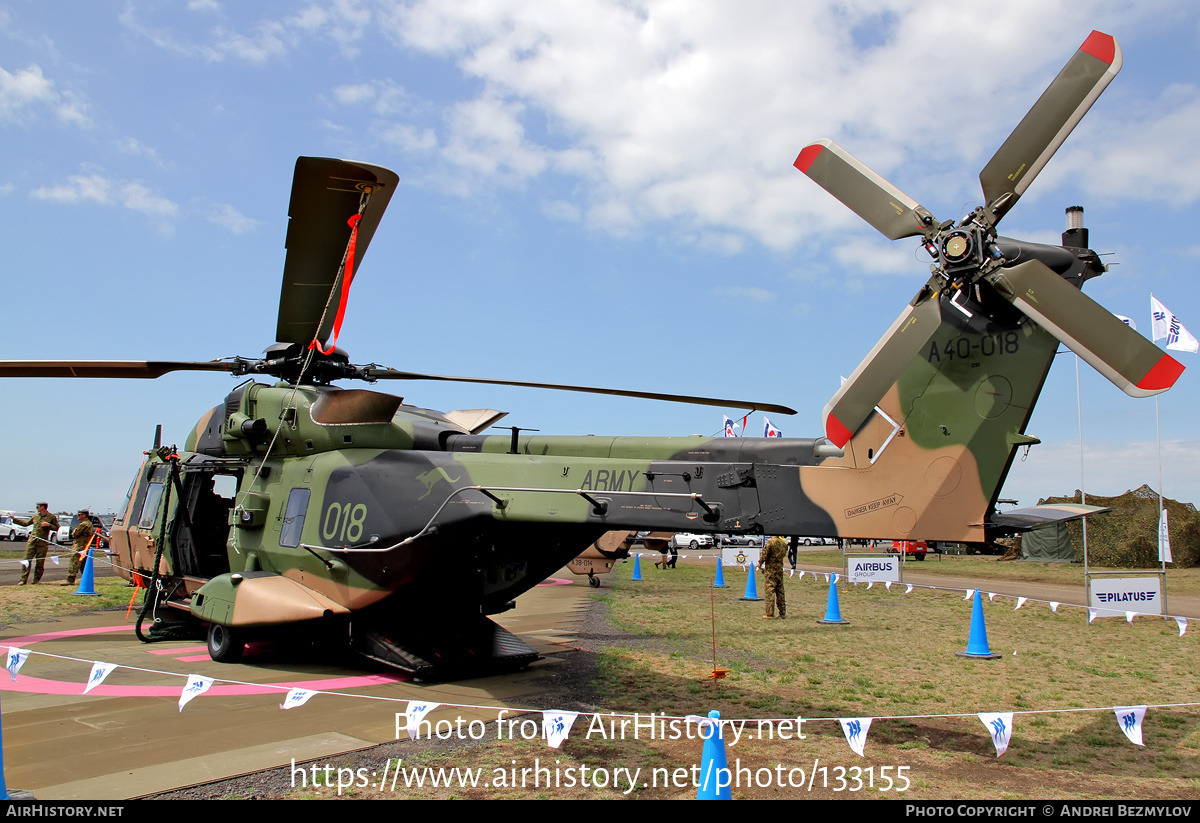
(868, 195)
(878, 372)
(1061, 106)
(1134, 364)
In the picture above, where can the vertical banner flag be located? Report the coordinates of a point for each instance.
(99, 672)
(769, 430)
(416, 712)
(1129, 718)
(296, 697)
(1164, 538)
(556, 726)
(16, 659)
(1166, 324)
(195, 687)
(999, 726)
(729, 426)
(855, 729)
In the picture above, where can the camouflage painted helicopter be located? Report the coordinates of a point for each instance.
(299, 504)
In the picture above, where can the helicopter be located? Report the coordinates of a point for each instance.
(298, 507)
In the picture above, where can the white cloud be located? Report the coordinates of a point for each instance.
(750, 293)
(29, 88)
(561, 210)
(96, 188)
(226, 216)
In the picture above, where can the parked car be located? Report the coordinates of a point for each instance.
(686, 540)
(749, 540)
(910, 548)
(63, 535)
(818, 541)
(12, 530)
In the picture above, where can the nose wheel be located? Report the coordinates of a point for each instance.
(224, 644)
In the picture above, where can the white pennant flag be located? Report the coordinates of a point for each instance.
(887, 584)
(1092, 615)
(296, 697)
(556, 726)
(999, 726)
(195, 687)
(1181, 622)
(791, 572)
(1129, 616)
(855, 729)
(1054, 606)
(99, 672)
(416, 712)
(1020, 602)
(869, 583)
(1129, 718)
(909, 589)
(801, 573)
(970, 594)
(1165, 324)
(54, 558)
(24, 564)
(1164, 539)
(991, 596)
(16, 659)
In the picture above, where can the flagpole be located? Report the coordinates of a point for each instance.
(1082, 484)
(1162, 560)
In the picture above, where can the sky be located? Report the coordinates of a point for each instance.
(591, 192)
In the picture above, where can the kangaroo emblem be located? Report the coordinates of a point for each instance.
(431, 477)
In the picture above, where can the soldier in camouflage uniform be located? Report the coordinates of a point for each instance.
(81, 536)
(771, 564)
(40, 526)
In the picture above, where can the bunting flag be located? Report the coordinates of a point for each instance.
(16, 659)
(1054, 606)
(416, 712)
(556, 726)
(1020, 602)
(1164, 539)
(99, 672)
(1128, 321)
(1129, 616)
(195, 687)
(296, 697)
(909, 589)
(855, 729)
(729, 426)
(1165, 324)
(999, 726)
(54, 559)
(870, 583)
(770, 430)
(991, 596)
(24, 564)
(1092, 614)
(970, 594)
(1181, 622)
(1129, 718)
(887, 584)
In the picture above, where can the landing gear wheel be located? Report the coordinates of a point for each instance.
(224, 644)
(593, 581)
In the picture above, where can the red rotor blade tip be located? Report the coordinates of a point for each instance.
(1163, 376)
(1101, 46)
(807, 155)
(838, 434)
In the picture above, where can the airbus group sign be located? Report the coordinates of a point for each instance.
(879, 569)
(1127, 594)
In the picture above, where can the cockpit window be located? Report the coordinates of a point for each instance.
(293, 518)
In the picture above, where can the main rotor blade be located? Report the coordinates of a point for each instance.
(393, 374)
(146, 369)
(1134, 364)
(868, 195)
(326, 193)
(878, 372)
(1061, 106)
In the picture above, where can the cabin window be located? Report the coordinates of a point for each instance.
(150, 507)
(293, 518)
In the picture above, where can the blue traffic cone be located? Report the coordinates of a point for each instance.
(977, 643)
(751, 587)
(637, 567)
(719, 581)
(833, 611)
(714, 767)
(87, 584)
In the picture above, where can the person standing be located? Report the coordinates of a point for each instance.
(771, 564)
(40, 526)
(81, 537)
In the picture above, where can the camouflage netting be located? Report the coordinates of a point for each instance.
(1127, 537)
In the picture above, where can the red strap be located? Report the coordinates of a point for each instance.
(341, 312)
